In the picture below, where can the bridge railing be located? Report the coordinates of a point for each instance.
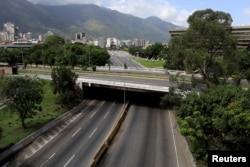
(158, 70)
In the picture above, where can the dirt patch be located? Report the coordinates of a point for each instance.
(5, 70)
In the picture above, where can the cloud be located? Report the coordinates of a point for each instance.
(247, 11)
(146, 8)
(181, 18)
(65, 2)
(139, 8)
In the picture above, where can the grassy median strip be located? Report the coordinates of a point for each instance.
(149, 63)
(12, 130)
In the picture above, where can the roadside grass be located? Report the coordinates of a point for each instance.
(149, 63)
(12, 130)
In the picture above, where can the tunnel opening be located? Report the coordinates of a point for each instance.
(122, 95)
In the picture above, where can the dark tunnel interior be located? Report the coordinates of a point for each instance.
(119, 95)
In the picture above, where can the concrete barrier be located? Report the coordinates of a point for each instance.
(109, 138)
(6, 155)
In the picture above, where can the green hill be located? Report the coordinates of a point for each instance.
(95, 21)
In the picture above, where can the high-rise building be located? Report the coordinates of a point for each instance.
(11, 32)
(113, 43)
(80, 37)
(139, 42)
(125, 42)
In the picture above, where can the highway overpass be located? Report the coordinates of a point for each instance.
(121, 90)
(122, 85)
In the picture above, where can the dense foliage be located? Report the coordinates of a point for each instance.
(55, 52)
(22, 95)
(154, 51)
(12, 56)
(205, 46)
(217, 119)
(64, 84)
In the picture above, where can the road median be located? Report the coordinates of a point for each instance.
(105, 145)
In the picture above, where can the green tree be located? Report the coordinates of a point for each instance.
(23, 95)
(153, 51)
(72, 51)
(97, 56)
(132, 50)
(204, 44)
(54, 40)
(54, 50)
(170, 99)
(12, 56)
(238, 66)
(216, 119)
(64, 84)
(35, 54)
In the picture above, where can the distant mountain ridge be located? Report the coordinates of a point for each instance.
(29, 17)
(95, 21)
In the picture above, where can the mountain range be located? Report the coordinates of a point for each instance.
(95, 21)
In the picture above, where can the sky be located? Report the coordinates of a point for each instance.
(174, 11)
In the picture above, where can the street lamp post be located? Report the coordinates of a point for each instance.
(22, 56)
(89, 57)
(124, 95)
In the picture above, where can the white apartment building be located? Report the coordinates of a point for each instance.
(113, 43)
(9, 33)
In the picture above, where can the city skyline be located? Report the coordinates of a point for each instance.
(174, 11)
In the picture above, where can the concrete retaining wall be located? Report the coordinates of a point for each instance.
(109, 137)
(4, 157)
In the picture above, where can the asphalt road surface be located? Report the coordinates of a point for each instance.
(79, 141)
(119, 58)
(147, 138)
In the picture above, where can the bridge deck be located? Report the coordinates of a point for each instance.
(127, 85)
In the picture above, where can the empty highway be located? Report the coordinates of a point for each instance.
(147, 138)
(119, 58)
(78, 142)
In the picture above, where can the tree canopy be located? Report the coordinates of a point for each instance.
(218, 119)
(55, 52)
(22, 95)
(64, 84)
(204, 45)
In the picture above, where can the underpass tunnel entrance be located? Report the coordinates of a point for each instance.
(121, 94)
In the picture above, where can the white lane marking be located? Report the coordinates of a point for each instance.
(92, 114)
(69, 160)
(106, 115)
(92, 133)
(177, 160)
(103, 102)
(52, 155)
(48, 159)
(76, 132)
